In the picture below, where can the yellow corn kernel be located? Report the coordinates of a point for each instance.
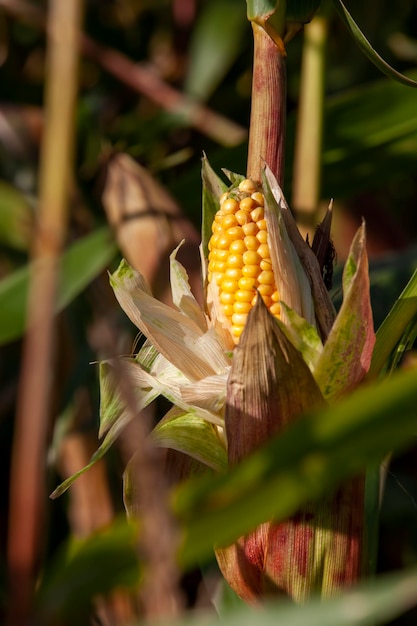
(251, 271)
(248, 205)
(257, 214)
(235, 260)
(230, 206)
(228, 221)
(250, 229)
(242, 307)
(251, 242)
(251, 257)
(229, 285)
(234, 273)
(248, 186)
(237, 247)
(263, 251)
(239, 319)
(243, 295)
(261, 235)
(247, 284)
(258, 197)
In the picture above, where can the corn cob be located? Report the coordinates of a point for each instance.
(239, 258)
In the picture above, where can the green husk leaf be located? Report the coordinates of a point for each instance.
(302, 335)
(192, 435)
(367, 48)
(394, 326)
(347, 353)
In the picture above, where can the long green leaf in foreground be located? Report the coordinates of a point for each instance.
(310, 459)
(81, 263)
(367, 605)
(366, 47)
(394, 325)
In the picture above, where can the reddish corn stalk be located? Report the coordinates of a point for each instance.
(267, 123)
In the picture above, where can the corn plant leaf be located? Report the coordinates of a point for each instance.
(347, 353)
(367, 48)
(368, 604)
(112, 407)
(307, 461)
(393, 327)
(213, 188)
(192, 435)
(303, 336)
(80, 264)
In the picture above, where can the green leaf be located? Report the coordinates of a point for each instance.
(347, 353)
(368, 604)
(367, 48)
(394, 325)
(85, 568)
(215, 44)
(309, 460)
(81, 263)
(192, 435)
(302, 335)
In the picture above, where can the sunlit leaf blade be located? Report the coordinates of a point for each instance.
(313, 456)
(367, 48)
(81, 263)
(192, 435)
(394, 325)
(368, 604)
(85, 568)
(347, 352)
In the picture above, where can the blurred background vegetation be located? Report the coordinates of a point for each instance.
(203, 50)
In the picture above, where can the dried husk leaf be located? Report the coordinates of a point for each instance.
(176, 336)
